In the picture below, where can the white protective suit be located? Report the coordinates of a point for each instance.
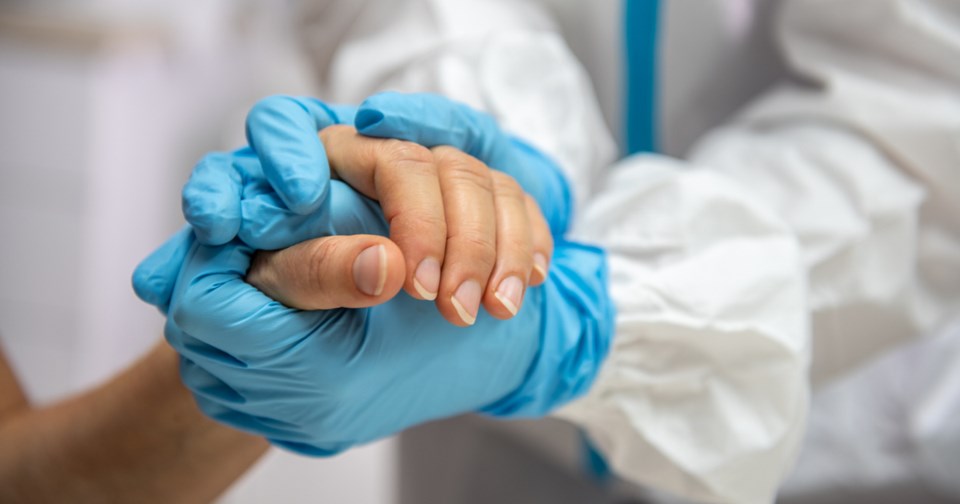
(825, 213)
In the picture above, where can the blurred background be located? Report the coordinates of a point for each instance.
(106, 106)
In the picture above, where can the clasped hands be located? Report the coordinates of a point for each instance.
(312, 344)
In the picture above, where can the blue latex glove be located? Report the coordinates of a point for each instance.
(226, 198)
(285, 159)
(344, 212)
(318, 382)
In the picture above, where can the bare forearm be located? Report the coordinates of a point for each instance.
(137, 438)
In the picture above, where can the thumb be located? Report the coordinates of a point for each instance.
(332, 272)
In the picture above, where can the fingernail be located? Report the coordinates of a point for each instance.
(426, 280)
(540, 264)
(370, 270)
(509, 292)
(467, 301)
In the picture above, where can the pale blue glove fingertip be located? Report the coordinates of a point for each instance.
(302, 195)
(155, 278)
(213, 226)
(282, 130)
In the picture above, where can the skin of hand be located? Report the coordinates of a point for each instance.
(476, 226)
(137, 438)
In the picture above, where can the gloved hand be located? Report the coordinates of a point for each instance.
(320, 381)
(344, 212)
(285, 159)
(246, 193)
(266, 207)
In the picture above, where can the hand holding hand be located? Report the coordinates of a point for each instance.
(320, 381)
(447, 211)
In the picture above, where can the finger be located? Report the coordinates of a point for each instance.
(471, 234)
(282, 130)
(542, 242)
(204, 383)
(514, 245)
(211, 199)
(220, 402)
(432, 120)
(403, 177)
(213, 304)
(269, 225)
(207, 380)
(155, 277)
(333, 272)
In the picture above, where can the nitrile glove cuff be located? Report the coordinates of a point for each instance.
(575, 336)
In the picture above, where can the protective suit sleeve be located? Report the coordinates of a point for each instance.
(862, 163)
(704, 393)
(503, 57)
(863, 167)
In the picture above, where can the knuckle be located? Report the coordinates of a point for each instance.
(445, 152)
(320, 256)
(478, 246)
(423, 231)
(466, 171)
(429, 222)
(400, 151)
(506, 185)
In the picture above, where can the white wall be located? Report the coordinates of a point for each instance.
(104, 108)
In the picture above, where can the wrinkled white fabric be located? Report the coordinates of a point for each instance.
(833, 207)
(704, 393)
(865, 168)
